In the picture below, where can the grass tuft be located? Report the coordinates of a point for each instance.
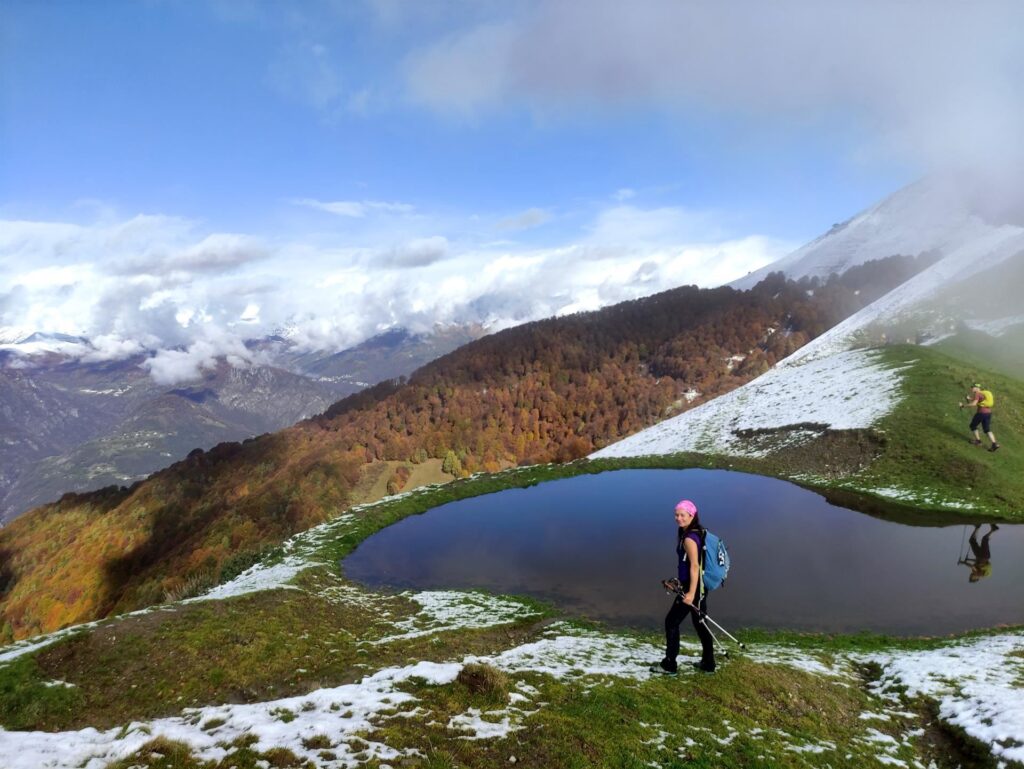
(484, 681)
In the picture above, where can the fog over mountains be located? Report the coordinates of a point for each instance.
(973, 227)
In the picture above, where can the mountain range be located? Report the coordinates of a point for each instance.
(69, 425)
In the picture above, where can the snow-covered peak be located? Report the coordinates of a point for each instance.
(29, 343)
(996, 246)
(927, 216)
(13, 334)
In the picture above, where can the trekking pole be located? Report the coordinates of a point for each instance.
(721, 647)
(724, 631)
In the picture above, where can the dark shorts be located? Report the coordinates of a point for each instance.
(985, 420)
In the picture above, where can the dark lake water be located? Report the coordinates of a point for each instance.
(598, 545)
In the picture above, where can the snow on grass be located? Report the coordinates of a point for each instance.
(255, 579)
(347, 714)
(921, 498)
(846, 391)
(978, 684)
(444, 610)
(343, 715)
(569, 652)
(473, 721)
(800, 660)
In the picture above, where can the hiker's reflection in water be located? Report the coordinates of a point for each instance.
(981, 562)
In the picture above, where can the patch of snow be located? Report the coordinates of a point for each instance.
(976, 682)
(799, 660)
(811, 747)
(571, 653)
(255, 579)
(343, 714)
(472, 721)
(847, 391)
(445, 610)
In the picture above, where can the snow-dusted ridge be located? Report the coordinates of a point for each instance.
(997, 245)
(846, 391)
(930, 215)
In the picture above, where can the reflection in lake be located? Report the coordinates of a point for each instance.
(980, 560)
(598, 546)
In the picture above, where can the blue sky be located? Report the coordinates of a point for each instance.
(179, 108)
(327, 143)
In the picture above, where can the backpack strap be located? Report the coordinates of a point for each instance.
(701, 554)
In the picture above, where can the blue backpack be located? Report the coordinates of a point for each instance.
(714, 561)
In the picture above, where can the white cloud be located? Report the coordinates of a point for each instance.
(938, 80)
(170, 367)
(112, 347)
(528, 219)
(419, 252)
(164, 285)
(355, 209)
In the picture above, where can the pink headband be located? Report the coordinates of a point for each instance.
(688, 506)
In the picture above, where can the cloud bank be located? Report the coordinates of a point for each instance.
(165, 285)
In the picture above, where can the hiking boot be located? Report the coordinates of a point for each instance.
(703, 668)
(975, 442)
(664, 668)
(994, 447)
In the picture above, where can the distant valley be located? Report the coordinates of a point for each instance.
(70, 426)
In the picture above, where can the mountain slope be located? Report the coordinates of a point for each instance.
(551, 390)
(937, 215)
(895, 404)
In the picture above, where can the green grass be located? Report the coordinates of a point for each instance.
(987, 353)
(253, 648)
(927, 450)
(617, 723)
(28, 697)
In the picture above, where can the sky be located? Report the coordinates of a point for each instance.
(179, 175)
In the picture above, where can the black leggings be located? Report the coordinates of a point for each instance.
(674, 619)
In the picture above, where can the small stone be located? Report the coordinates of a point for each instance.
(511, 759)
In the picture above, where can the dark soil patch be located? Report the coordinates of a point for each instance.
(832, 454)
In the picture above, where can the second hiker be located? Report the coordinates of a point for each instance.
(984, 401)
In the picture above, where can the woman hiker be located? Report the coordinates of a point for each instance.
(688, 547)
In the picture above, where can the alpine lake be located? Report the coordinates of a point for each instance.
(597, 547)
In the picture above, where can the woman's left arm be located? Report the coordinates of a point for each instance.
(691, 555)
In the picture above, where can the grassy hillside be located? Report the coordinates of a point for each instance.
(1003, 354)
(927, 456)
(318, 672)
